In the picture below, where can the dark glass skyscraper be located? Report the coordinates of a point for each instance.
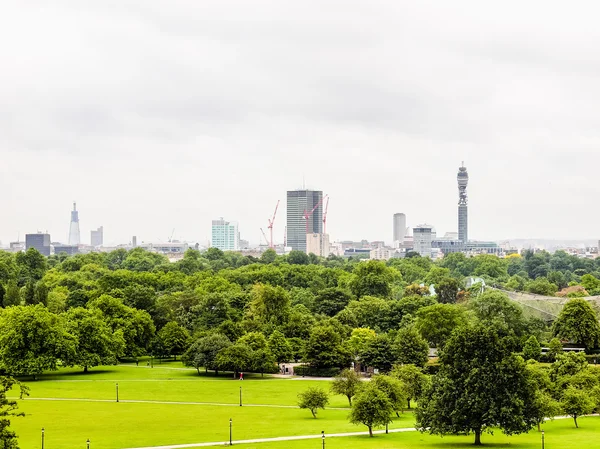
(300, 202)
(463, 216)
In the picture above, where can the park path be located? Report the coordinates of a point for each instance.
(275, 439)
(141, 401)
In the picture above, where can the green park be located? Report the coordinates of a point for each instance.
(127, 350)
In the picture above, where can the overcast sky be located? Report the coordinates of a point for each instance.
(161, 115)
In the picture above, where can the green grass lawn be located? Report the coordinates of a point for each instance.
(111, 425)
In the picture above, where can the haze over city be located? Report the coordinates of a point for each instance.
(166, 116)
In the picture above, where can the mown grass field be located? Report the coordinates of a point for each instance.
(87, 408)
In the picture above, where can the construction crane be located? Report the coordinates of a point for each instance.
(307, 215)
(172, 234)
(271, 223)
(264, 235)
(325, 215)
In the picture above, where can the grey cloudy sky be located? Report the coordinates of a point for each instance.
(156, 115)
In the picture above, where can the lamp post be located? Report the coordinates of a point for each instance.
(230, 425)
(240, 396)
(542, 439)
(323, 438)
(88, 443)
(117, 392)
(42, 438)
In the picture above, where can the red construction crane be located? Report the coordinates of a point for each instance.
(325, 215)
(307, 215)
(271, 222)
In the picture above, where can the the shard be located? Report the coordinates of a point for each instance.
(74, 235)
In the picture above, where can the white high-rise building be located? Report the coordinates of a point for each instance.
(399, 227)
(97, 237)
(225, 235)
(74, 235)
(318, 244)
(422, 237)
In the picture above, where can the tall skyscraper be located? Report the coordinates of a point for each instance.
(463, 217)
(74, 236)
(97, 236)
(225, 235)
(399, 227)
(422, 237)
(300, 202)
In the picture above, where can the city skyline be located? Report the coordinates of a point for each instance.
(130, 120)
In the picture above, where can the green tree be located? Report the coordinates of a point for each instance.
(280, 347)
(347, 383)
(236, 358)
(96, 344)
(29, 293)
(268, 256)
(446, 290)
(371, 408)
(554, 348)
(330, 301)
(541, 286)
(410, 347)
(41, 294)
(475, 365)
(174, 338)
(436, 322)
(33, 340)
(532, 349)
(414, 380)
(203, 352)
(379, 353)
(255, 340)
(8, 408)
(313, 398)
(297, 258)
(370, 312)
(324, 349)
(31, 265)
(544, 407)
(13, 294)
(269, 304)
(358, 341)
(372, 278)
(394, 389)
(576, 403)
(494, 308)
(578, 322)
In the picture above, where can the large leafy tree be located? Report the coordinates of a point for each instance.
(371, 408)
(414, 381)
(347, 383)
(8, 408)
(379, 353)
(236, 358)
(313, 398)
(394, 389)
(436, 322)
(174, 339)
(578, 322)
(324, 349)
(269, 304)
(495, 309)
(203, 352)
(372, 278)
(330, 301)
(481, 385)
(410, 347)
(96, 343)
(280, 347)
(446, 290)
(33, 340)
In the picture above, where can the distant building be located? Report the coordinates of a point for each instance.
(299, 203)
(422, 238)
(39, 241)
(317, 244)
(225, 235)
(68, 249)
(134, 241)
(382, 253)
(74, 235)
(166, 248)
(463, 216)
(97, 237)
(16, 247)
(399, 227)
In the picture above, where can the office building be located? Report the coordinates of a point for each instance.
(399, 227)
(67, 249)
(74, 235)
(225, 235)
(304, 216)
(39, 241)
(166, 248)
(463, 223)
(97, 237)
(134, 241)
(422, 239)
(382, 253)
(317, 244)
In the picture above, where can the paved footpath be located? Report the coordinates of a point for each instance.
(271, 440)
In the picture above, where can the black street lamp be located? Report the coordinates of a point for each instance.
(240, 396)
(88, 443)
(542, 439)
(117, 392)
(42, 438)
(323, 438)
(230, 424)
